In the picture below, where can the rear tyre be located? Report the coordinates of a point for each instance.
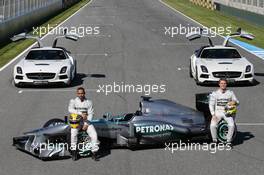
(53, 122)
(18, 85)
(222, 131)
(252, 83)
(196, 78)
(132, 143)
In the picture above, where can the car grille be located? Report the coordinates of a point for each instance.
(40, 76)
(227, 74)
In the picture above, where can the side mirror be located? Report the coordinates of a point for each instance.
(69, 52)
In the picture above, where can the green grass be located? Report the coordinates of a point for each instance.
(11, 50)
(211, 18)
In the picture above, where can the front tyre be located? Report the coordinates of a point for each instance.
(252, 82)
(18, 85)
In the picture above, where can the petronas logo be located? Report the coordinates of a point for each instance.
(154, 128)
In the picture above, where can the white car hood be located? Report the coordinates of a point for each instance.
(42, 65)
(225, 64)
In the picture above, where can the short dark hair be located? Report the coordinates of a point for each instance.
(222, 79)
(81, 88)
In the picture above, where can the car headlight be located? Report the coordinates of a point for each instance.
(63, 70)
(204, 69)
(19, 70)
(248, 68)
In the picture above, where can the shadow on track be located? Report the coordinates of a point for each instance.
(259, 74)
(81, 76)
(241, 137)
(237, 84)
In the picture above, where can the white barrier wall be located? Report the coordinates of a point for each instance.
(255, 6)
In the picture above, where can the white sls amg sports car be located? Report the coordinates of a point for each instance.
(45, 65)
(213, 62)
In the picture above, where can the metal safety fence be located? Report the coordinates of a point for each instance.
(14, 8)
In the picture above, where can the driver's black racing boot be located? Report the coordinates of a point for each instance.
(214, 143)
(74, 155)
(95, 156)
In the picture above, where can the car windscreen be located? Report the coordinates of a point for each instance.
(46, 55)
(220, 53)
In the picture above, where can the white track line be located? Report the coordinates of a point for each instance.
(170, 7)
(22, 53)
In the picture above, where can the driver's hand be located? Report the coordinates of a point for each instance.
(85, 127)
(215, 119)
(84, 116)
(232, 103)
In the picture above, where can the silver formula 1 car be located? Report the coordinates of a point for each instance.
(155, 123)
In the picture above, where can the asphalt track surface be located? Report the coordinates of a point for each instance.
(132, 33)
